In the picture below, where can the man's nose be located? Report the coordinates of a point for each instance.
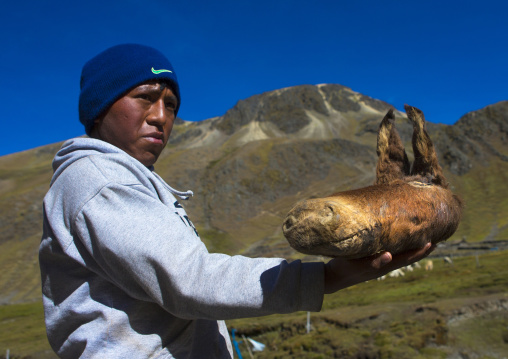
(157, 115)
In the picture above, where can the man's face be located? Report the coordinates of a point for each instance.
(140, 122)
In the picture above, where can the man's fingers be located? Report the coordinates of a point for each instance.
(405, 259)
(382, 260)
(421, 253)
(341, 273)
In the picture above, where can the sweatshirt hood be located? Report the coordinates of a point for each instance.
(77, 148)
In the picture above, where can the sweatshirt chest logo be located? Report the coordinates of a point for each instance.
(185, 219)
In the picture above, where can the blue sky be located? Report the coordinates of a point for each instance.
(445, 57)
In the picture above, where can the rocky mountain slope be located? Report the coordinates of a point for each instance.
(249, 166)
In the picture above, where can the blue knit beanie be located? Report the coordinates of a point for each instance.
(115, 71)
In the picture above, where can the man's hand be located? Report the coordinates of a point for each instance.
(341, 273)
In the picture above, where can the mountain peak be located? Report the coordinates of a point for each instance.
(305, 111)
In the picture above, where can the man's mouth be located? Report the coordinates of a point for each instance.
(155, 137)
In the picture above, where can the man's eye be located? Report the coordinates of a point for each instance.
(144, 97)
(171, 105)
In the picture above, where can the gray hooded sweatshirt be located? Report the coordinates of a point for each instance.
(125, 274)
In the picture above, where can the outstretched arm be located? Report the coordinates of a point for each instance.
(341, 273)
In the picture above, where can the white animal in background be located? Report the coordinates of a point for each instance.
(396, 273)
(429, 265)
(448, 260)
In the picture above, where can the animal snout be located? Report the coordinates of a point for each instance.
(289, 223)
(311, 211)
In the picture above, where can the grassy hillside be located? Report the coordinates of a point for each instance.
(24, 179)
(485, 193)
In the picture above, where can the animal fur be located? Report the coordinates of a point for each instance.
(404, 209)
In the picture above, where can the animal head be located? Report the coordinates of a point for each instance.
(406, 207)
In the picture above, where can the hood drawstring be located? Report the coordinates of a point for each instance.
(183, 195)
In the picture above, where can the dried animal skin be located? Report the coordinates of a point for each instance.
(403, 210)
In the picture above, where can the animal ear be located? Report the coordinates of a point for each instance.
(392, 159)
(426, 162)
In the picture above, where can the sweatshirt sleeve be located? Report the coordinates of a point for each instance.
(145, 248)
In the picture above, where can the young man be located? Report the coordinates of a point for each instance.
(124, 273)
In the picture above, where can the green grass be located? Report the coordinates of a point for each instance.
(492, 326)
(22, 331)
(463, 278)
(403, 317)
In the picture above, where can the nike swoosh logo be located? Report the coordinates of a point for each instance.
(159, 71)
